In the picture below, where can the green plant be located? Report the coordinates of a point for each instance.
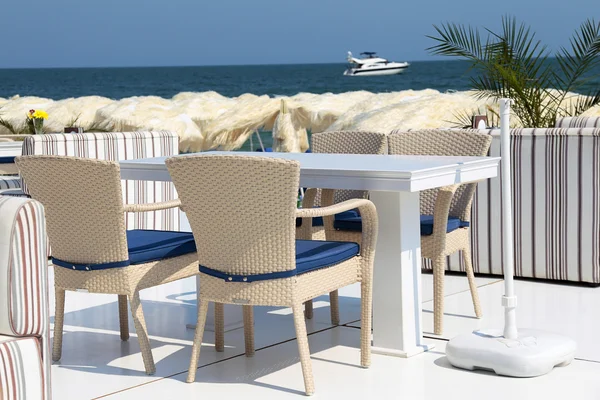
(514, 64)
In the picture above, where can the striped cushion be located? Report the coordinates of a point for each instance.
(578, 122)
(120, 146)
(23, 268)
(9, 182)
(22, 374)
(556, 176)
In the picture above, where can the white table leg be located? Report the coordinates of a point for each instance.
(233, 314)
(397, 325)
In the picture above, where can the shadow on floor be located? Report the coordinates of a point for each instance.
(103, 352)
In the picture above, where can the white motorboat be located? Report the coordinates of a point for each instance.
(373, 65)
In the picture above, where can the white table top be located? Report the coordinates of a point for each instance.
(351, 171)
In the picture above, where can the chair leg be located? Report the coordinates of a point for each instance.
(366, 315)
(197, 344)
(249, 330)
(303, 349)
(142, 332)
(123, 318)
(308, 309)
(59, 317)
(334, 307)
(219, 327)
(438, 294)
(471, 277)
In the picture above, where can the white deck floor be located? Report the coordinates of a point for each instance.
(96, 363)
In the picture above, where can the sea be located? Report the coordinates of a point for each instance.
(230, 81)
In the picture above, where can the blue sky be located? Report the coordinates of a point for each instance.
(98, 33)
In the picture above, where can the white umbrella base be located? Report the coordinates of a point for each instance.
(534, 353)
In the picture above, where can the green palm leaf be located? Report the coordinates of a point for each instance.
(514, 64)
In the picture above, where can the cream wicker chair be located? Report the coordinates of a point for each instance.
(445, 212)
(340, 142)
(91, 249)
(242, 210)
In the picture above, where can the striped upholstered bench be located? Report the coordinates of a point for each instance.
(578, 122)
(24, 313)
(116, 146)
(556, 208)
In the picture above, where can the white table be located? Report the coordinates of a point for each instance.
(395, 183)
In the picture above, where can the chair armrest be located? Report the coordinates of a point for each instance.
(152, 206)
(368, 213)
(332, 209)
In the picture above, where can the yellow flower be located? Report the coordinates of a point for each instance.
(40, 114)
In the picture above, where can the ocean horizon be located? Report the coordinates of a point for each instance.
(230, 81)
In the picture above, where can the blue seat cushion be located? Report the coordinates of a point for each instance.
(453, 224)
(352, 222)
(7, 160)
(311, 255)
(348, 221)
(144, 246)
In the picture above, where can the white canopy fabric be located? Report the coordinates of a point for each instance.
(231, 130)
(209, 120)
(79, 112)
(407, 110)
(287, 136)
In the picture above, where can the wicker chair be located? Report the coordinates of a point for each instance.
(91, 249)
(340, 142)
(242, 210)
(445, 212)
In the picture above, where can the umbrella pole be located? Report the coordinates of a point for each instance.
(262, 146)
(509, 352)
(509, 300)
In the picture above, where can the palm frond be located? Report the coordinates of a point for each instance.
(515, 64)
(457, 41)
(577, 62)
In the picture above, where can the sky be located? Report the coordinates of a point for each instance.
(112, 33)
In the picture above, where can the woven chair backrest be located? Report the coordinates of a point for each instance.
(437, 142)
(349, 142)
(241, 210)
(84, 206)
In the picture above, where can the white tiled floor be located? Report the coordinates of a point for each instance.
(96, 363)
